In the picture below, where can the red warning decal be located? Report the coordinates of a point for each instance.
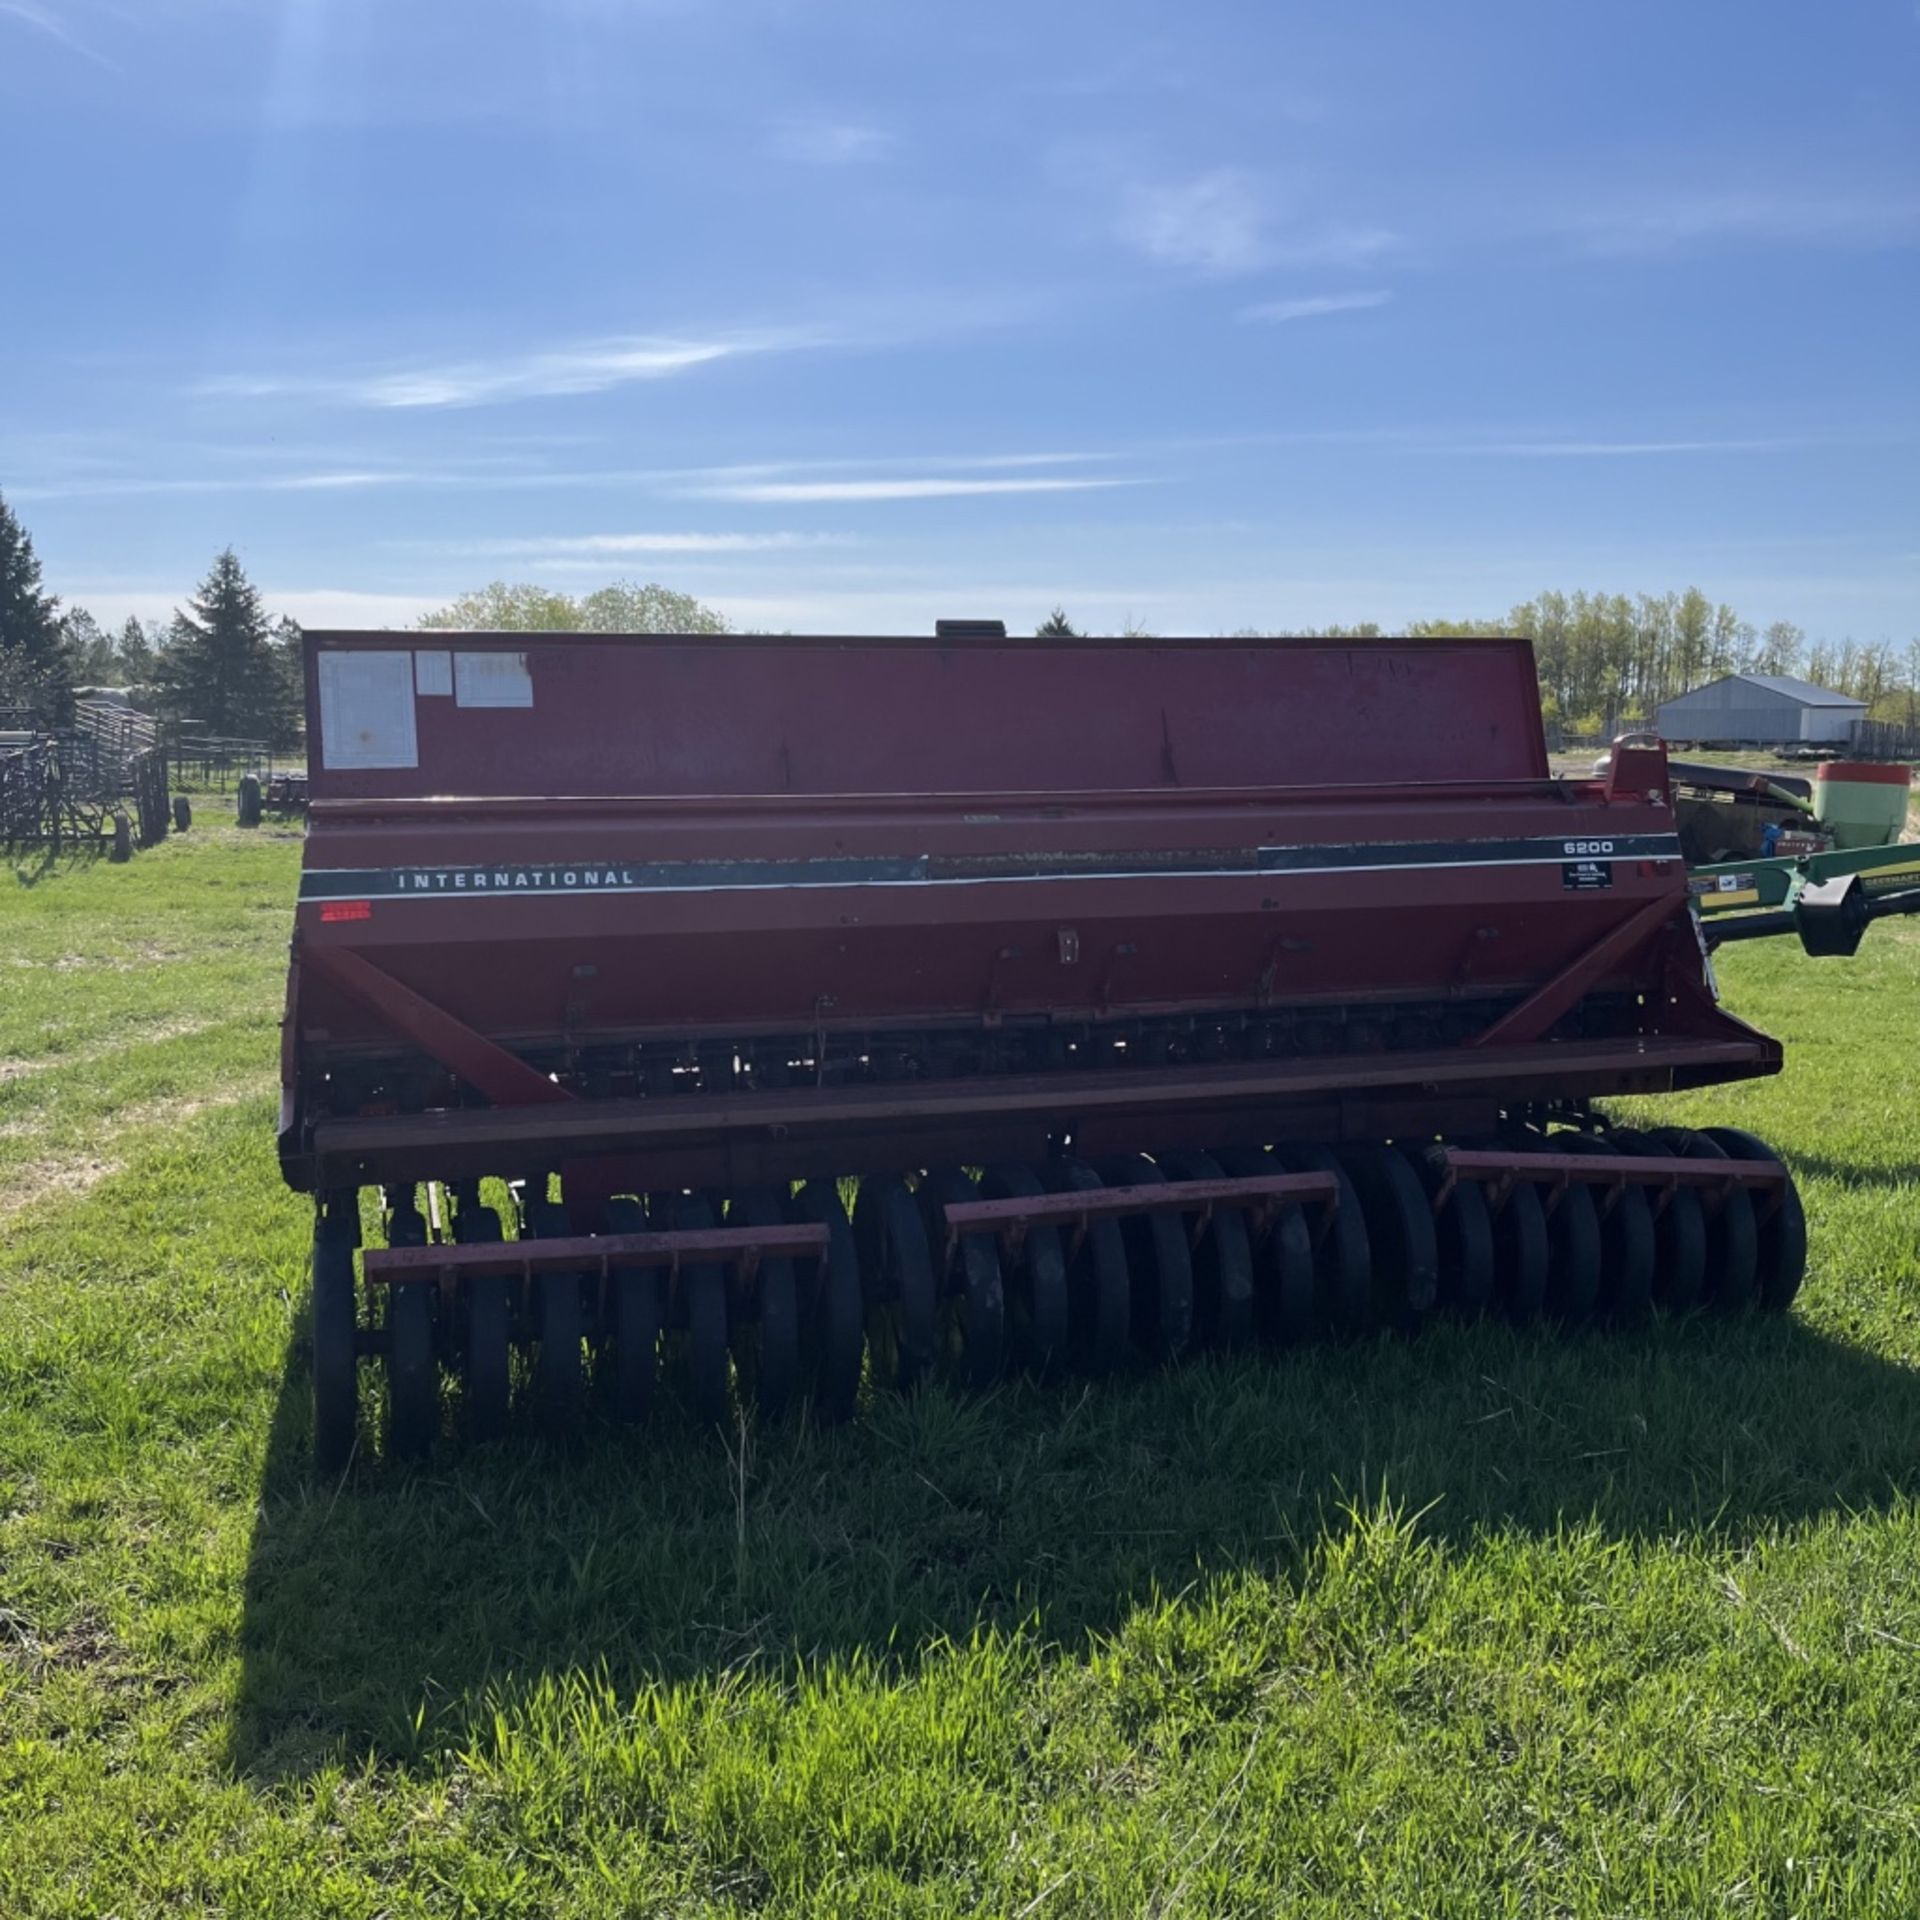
(347, 910)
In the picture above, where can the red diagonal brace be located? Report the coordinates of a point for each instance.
(503, 1077)
(1542, 1007)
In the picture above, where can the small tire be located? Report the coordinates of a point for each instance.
(413, 1371)
(1782, 1256)
(336, 1371)
(559, 1369)
(630, 1358)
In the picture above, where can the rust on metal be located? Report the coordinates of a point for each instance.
(1260, 1194)
(600, 1253)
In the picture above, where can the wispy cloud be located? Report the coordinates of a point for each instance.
(591, 366)
(1229, 221)
(588, 545)
(831, 143)
(1280, 312)
(938, 487)
(1215, 222)
(517, 477)
(1621, 449)
(31, 13)
(1665, 222)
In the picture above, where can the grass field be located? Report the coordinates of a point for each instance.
(1483, 1624)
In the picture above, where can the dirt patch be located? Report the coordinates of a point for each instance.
(68, 1176)
(87, 1645)
(152, 1036)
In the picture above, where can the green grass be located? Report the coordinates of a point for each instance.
(1477, 1624)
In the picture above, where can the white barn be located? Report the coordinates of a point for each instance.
(1760, 710)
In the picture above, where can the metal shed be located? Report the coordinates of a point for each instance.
(1760, 710)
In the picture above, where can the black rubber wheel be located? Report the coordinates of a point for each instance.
(1099, 1295)
(558, 1324)
(1283, 1263)
(896, 1273)
(766, 1330)
(1222, 1262)
(336, 1383)
(628, 1369)
(1037, 1315)
(1159, 1262)
(1573, 1257)
(1782, 1233)
(1679, 1235)
(973, 1305)
(1520, 1255)
(486, 1353)
(413, 1371)
(1733, 1232)
(702, 1311)
(182, 813)
(1463, 1235)
(1343, 1260)
(1400, 1233)
(1628, 1253)
(831, 1333)
(246, 801)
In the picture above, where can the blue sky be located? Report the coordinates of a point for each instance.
(852, 313)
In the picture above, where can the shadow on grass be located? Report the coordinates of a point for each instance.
(49, 862)
(381, 1609)
(1851, 1173)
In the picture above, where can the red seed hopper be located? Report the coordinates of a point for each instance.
(848, 1010)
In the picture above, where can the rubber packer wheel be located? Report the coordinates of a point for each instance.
(896, 1272)
(486, 1357)
(1343, 1268)
(629, 1363)
(1400, 1234)
(1520, 1255)
(1283, 1268)
(1037, 1294)
(413, 1370)
(1733, 1232)
(703, 1304)
(832, 1311)
(1627, 1248)
(1463, 1235)
(1782, 1234)
(766, 1330)
(336, 1391)
(1099, 1306)
(1222, 1262)
(558, 1325)
(973, 1306)
(1159, 1262)
(1679, 1236)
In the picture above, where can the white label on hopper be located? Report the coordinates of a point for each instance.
(492, 680)
(433, 671)
(366, 710)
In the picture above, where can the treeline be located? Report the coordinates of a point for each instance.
(222, 660)
(1606, 659)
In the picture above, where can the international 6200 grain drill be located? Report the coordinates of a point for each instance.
(843, 1011)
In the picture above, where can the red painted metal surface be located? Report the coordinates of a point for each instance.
(699, 842)
(674, 715)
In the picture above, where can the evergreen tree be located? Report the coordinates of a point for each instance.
(36, 663)
(220, 665)
(133, 656)
(88, 647)
(1056, 626)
